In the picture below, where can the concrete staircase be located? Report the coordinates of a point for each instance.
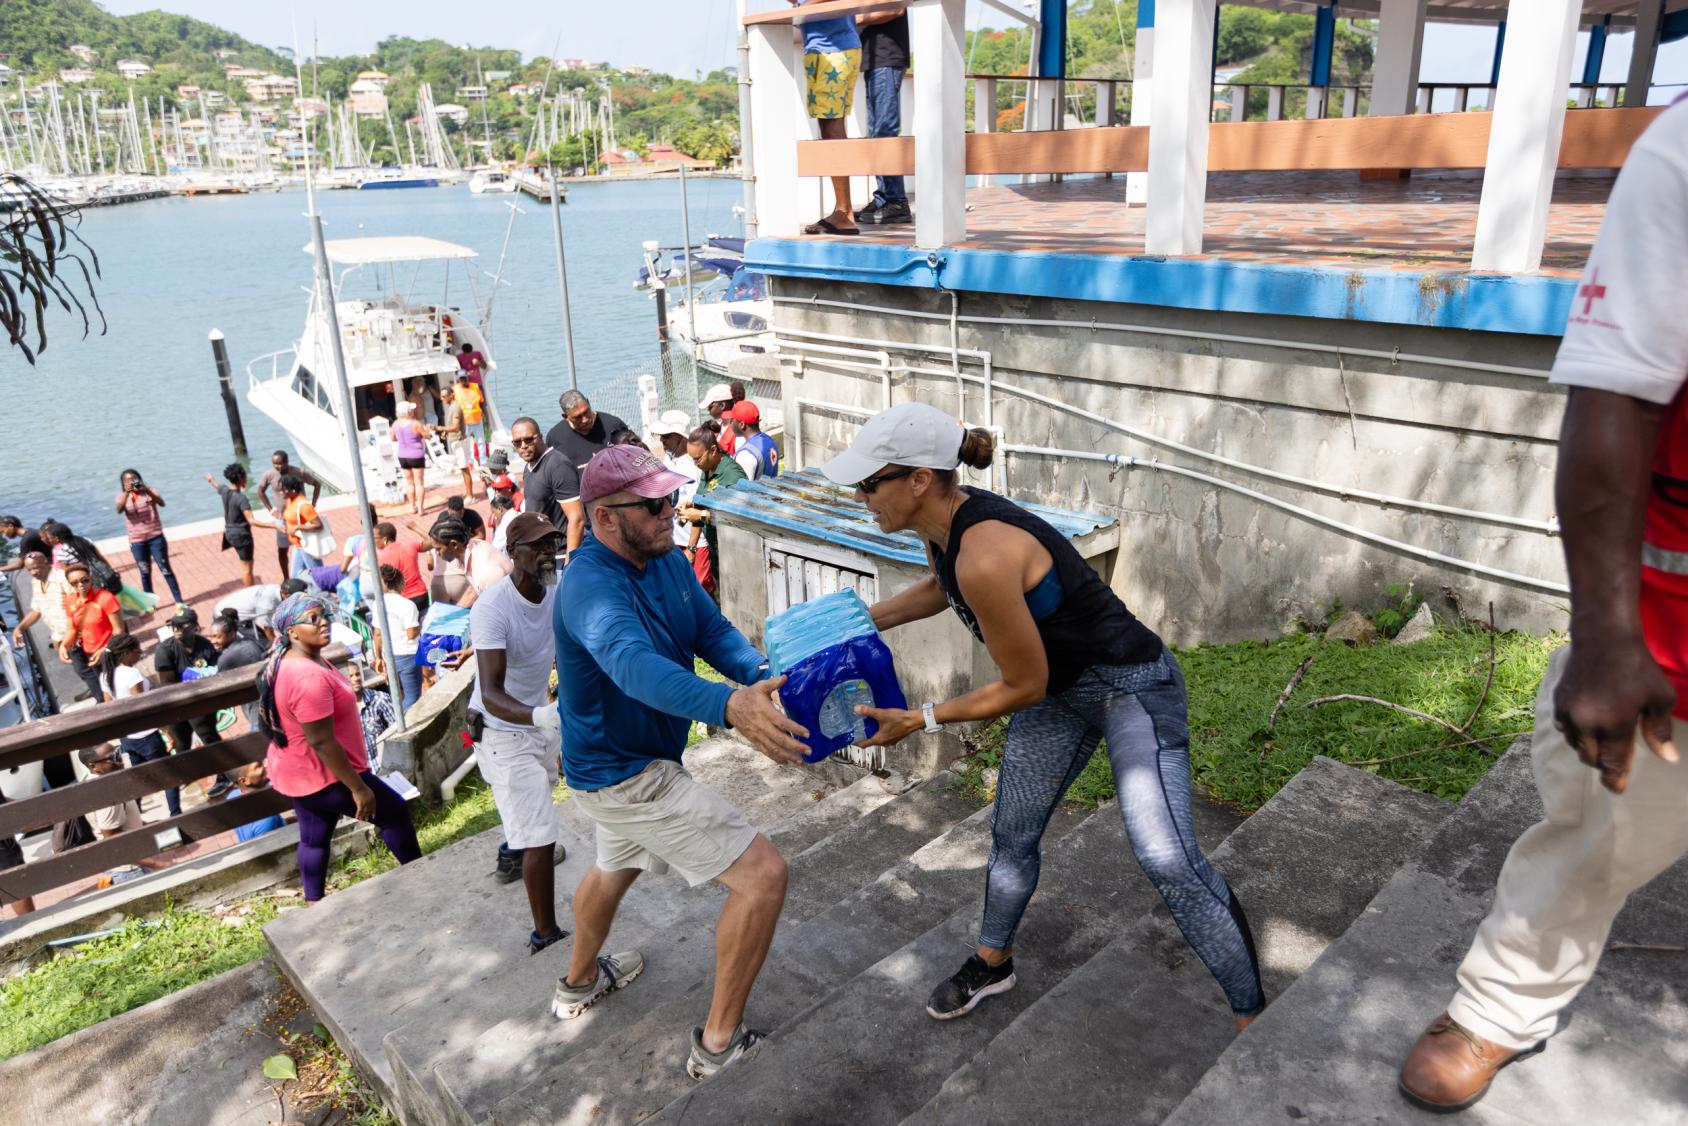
(1362, 895)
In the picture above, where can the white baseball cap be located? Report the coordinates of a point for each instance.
(720, 393)
(672, 422)
(911, 434)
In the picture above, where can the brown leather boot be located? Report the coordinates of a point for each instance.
(1451, 1067)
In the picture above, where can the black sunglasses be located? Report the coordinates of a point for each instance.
(514, 441)
(652, 505)
(868, 484)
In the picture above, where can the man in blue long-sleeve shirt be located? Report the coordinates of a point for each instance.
(629, 625)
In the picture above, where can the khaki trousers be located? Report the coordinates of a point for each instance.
(1566, 879)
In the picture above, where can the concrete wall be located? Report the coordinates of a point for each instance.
(432, 744)
(1197, 562)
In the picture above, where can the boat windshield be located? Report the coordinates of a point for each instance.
(748, 285)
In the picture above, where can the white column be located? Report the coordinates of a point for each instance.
(1529, 119)
(1400, 40)
(1178, 127)
(1239, 103)
(905, 107)
(1316, 98)
(1104, 105)
(940, 137)
(1043, 104)
(1142, 102)
(1274, 103)
(1350, 101)
(984, 114)
(780, 112)
(1643, 49)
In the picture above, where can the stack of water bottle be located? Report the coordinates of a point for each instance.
(833, 659)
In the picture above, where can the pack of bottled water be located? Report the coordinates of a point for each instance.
(833, 659)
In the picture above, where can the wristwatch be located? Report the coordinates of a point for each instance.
(932, 724)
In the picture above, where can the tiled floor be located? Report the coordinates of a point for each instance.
(1303, 218)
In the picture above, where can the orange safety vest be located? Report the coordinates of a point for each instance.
(469, 398)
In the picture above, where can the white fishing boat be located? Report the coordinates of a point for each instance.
(727, 318)
(492, 181)
(391, 340)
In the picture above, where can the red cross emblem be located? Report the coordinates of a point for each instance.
(1591, 292)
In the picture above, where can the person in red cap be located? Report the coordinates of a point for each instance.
(627, 635)
(753, 450)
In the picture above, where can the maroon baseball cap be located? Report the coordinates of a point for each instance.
(633, 468)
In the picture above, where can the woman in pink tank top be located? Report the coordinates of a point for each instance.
(139, 506)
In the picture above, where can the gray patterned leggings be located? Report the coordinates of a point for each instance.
(1141, 711)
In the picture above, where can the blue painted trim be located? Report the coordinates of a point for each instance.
(1500, 45)
(1596, 52)
(1324, 42)
(1052, 46)
(1529, 304)
(1145, 13)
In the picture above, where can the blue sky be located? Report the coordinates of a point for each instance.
(681, 37)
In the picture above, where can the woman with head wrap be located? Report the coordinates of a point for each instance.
(309, 712)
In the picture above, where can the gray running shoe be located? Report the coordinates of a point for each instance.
(614, 971)
(703, 1063)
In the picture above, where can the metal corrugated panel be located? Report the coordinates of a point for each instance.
(807, 504)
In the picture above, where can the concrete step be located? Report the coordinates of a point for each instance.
(504, 1037)
(1124, 1038)
(370, 963)
(384, 952)
(869, 1053)
(841, 806)
(1329, 1049)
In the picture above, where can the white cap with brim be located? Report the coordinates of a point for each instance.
(720, 393)
(672, 422)
(912, 434)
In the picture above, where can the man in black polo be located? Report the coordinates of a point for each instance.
(582, 433)
(547, 477)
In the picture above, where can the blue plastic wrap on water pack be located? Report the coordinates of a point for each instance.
(833, 659)
(445, 630)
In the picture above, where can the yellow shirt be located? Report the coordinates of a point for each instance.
(470, 399)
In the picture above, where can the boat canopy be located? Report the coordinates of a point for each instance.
(395, 248)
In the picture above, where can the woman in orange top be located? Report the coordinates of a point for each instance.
(300, 516)
(95, 618)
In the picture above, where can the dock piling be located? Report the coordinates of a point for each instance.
(225, 384)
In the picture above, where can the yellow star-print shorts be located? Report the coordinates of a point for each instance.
(832, 82)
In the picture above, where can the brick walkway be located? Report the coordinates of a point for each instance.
(1290, 218)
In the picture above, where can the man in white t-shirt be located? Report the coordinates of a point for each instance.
(405, 621)
(1615, 701)
(510, 627)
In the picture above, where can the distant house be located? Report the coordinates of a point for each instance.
(637, 71)
(132, 69)
(194, 127)
(497, 75)
(367, 98)
(75, 74)
(271, 88)
(472, 93)
(215, 98)
(579, 64)
(658, 159)
(374, 76)
(187, 92)
(240, 72)
(6, 73)
(226, 52)
(313, 107)
(520, 90)
(457, 113)
(83, 52)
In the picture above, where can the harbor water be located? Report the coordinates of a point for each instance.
(144, 395)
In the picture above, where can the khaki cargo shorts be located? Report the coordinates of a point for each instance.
(663, 818)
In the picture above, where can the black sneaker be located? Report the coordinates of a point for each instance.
(537, 942)
(891, 212)
(972, 983)
(219, 788)
(509, 865)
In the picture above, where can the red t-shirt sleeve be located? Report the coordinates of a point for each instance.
(310, 695)
(107, 602)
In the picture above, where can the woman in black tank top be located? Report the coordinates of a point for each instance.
(1076, 666)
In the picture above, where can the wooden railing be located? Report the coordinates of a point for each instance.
(1591, 140)
(106, 723)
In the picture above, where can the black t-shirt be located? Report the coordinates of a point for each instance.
(235, 508)
(578, 447)
(886, 44)
(548, 484)
(32, 541)
(473, 522)
(171, 657)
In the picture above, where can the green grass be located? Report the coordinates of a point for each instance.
(1232, 689)
(149, 959)
(142, 961)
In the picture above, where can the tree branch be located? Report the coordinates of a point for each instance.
(1414, 712)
